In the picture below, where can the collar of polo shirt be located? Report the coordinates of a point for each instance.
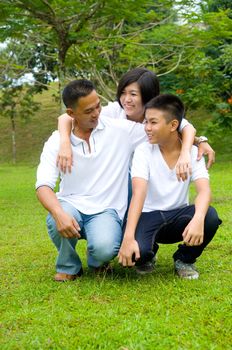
(75, 140)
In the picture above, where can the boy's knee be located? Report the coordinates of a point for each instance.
(212, 220)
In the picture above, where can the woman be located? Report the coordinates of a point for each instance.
(135, 89)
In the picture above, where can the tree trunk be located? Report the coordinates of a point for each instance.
(62, 73)
(13, 134)
(61, 85)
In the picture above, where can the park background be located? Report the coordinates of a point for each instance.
(45, 44)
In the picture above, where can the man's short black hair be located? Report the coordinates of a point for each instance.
(76, 89)
(171, 104)
(147, 81)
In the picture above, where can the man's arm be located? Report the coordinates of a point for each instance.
(66, 225)
(64, 159)
(194, 232)
(129, 244)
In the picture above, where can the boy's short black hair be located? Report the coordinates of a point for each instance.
(170, 104)
(76, 89)
(147, 80)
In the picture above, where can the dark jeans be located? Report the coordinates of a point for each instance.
(167, 227)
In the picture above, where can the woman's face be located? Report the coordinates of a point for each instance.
(131, 101)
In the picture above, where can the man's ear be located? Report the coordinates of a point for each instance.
(69, 111)
(174, 124)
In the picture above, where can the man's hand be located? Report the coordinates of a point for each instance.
(194, 232)
(67, 226)
(128, 248)
(183, 166)
(205, 149)
(64, 159)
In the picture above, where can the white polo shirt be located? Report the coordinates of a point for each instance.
(114, 110)
(165, 192)
(99, 180)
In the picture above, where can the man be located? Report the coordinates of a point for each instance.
(166, 215)
(92, 199)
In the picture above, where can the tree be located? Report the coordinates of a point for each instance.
(16, 98)
(55, 25)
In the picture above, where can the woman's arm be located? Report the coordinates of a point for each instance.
(205, 149)
(129, 245)
(183, 165)
(64, 158)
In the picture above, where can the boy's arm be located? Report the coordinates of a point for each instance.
(183, 165)
(64, 158)
(194, 232)
(66, 225)
(129, 245)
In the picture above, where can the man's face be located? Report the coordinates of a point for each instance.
(157, 128)
(86, 112)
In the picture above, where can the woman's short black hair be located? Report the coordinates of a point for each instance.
(171, 104)
(147, 80)
(76, 89)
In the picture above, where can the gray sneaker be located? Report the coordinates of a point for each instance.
(147, 267)
(184, 270)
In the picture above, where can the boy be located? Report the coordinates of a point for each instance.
(159, 210)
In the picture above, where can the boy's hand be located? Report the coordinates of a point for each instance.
(205, 149)
(64, 159)
(183, 166)
(128, 248)
(194, 232)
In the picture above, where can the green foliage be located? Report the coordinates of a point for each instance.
(187, 43)
(17, 101)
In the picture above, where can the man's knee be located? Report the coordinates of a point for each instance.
(104, 251)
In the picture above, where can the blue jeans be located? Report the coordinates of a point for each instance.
(102, 231)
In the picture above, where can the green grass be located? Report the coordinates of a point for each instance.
(121, 311)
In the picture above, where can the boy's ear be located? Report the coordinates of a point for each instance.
(174, 124)
(69, 111)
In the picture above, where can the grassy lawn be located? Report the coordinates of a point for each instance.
(121, 311)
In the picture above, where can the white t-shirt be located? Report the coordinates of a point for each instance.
(165, 192)
(114, 110)
(99, 180)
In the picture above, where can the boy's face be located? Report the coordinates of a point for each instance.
(86, 112)
(157, 128)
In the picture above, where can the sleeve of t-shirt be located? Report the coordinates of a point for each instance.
(47, 171)
(183, 124)
(135, 131)
(140, 164)
(199, 170)
(112, 110)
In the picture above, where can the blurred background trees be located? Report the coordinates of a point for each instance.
(188, 43)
